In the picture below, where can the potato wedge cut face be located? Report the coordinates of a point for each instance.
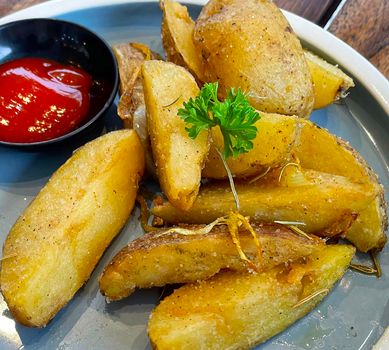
(238, 311)
(319, 150)
(177, 37)
(330, 83)
(320, 202)
(57, 241)
(273, 144)
(179, 159)
(157, 259)
(249, 44)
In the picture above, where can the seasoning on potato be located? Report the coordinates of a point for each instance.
(319, 200)
(57, 241)
(319, 150)
(167, 257)
(178, 158)
(250, 44)
(240, 310)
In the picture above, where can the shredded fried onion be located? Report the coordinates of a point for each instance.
(284, 167)
(233, 221)
(144, 214)
(200, 231)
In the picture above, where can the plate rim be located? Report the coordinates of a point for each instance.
(358, 66)
(367, 74)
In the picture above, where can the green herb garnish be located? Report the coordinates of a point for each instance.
(234, 116)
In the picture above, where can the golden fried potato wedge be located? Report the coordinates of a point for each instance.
(177, 37)
(330, 83)
(250, 44)
(368, 231)
(275, 140)
(55, 244)
(178, 158)
(129, 57)
(321, 201)
(238, 311)
(131, 107)
(157, 259)
(318, 149)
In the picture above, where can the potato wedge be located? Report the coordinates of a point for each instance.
(129, 57)
(249, 44)
(368, 230)
(319, 150)
(238, 311)
(132, 110)
(157, 259)
(177, 37)
(131, 107)
(275, 140)
(329, 82)
(178, 158)
(322, 201)
(55, 244)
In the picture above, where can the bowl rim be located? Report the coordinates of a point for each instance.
(97, 115)
(340, 52)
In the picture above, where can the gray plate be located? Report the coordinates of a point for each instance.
(353, 316)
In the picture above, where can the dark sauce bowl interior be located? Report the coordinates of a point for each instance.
(67, 43)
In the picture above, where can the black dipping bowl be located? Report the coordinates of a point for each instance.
(67, 43)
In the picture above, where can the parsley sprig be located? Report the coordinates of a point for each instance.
(234, 116)
(236, 119)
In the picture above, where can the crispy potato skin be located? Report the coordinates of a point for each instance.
(330, 83)
(249, 44)
(157, 260)
(177, 37)
(57, 241)
(273, 144)
(129, 60)
(319, 150)
(131, 107)
(238, 311)
(178, 158)
(322, 201)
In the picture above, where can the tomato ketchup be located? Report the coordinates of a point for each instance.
(41, 99)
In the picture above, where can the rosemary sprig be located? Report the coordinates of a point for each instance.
(310, 297)
(368, 270)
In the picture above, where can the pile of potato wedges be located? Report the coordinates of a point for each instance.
(298, 187)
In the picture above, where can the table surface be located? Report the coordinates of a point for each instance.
(363, 24)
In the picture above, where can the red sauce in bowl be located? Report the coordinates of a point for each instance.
(41, 99)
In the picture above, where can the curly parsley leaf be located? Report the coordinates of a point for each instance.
(234, 116)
